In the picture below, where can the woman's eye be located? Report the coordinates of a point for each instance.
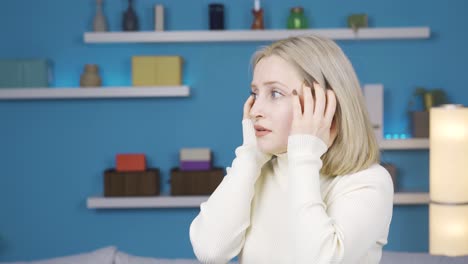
(276, 94)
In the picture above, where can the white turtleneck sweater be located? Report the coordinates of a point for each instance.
(286, 212)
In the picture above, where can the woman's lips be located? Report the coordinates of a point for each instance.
(261, 131)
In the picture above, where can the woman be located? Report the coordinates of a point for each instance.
(306, 185)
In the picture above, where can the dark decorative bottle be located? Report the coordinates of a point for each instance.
(216, 12)
(130, 19)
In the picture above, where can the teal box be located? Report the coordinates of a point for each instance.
(25, 73)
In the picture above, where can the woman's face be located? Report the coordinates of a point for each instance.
(273, 82)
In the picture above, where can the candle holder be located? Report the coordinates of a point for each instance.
(258, 19)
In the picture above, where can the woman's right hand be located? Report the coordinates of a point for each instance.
(247, 124)
(248, 130)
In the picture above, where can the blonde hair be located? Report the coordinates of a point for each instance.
(319, 59)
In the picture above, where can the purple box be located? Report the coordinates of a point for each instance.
(195, 165)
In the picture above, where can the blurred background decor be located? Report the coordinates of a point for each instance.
(426, 98)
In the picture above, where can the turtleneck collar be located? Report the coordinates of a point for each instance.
(282, 163)
(280, 168)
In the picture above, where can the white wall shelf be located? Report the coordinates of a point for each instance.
(254, 35)
(94, 92)
(404, 144)
(195, 201)
(145, 202)
(411, 198)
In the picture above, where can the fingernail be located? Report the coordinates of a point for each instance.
(294, 92)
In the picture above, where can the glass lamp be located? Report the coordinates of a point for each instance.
(448, 210)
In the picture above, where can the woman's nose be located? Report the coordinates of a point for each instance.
(258, 109)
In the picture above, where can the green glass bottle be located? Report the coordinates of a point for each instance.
(296, 19)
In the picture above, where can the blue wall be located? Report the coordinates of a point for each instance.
(53, 153)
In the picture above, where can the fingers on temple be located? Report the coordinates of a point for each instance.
(308, 100)
(297, 112)
(320, 99)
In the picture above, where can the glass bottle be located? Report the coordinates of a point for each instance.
(297, 19)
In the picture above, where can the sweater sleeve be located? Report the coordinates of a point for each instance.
(217, 234)
(345, 229)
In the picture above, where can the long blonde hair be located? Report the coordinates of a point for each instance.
(320, 59)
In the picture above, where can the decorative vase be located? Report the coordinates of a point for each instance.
(130, 19)
(99, 23)
(90, 76)
(297, 19)
(216, 16)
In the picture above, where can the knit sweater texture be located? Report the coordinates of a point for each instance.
(285, 211)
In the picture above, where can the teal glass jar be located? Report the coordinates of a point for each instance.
(297, 19)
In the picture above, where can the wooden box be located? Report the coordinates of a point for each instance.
(202, 182)
(420, 124)
(137, 183)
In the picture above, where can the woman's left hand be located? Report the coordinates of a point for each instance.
(317, 117)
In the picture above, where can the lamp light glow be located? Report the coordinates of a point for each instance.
(448, 210)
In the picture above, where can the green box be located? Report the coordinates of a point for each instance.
(25, 73)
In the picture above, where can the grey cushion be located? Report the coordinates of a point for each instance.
(102, 256)
(389, 257)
